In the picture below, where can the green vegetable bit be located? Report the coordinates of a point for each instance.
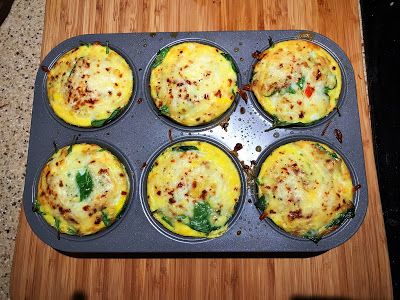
(71, 231)
(167, 220)
(99, 123)
(85, 184)
(184, 148)
(261, 203)
(271, 42)
(57, 223)
(36, 207)
(107, 47)
(104, 217)
(291, 90)
(85, 44)
(164, 110)
(331, 154)
(230, 59)
(301, 82)
(69, 149)
(312, 235)
(341, 218)
(258, 182)
(201, 218)
(160, 57)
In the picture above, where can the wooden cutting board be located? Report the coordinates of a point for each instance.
(357, 269)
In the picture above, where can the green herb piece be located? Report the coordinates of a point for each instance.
(36, 207)
(291, 90)
(102, 149)
(233, 92)
(164, 110)
(167, 220)
(301, 82)
(271, 42)
(107, 47)
(330, 153)
(71, 231)
(312, 235)
(57, 223)
(230, 59)
(184, 148)
(104, 217)
(82, 43)
(85, 184)
(99, 123)
(69, 149)
(261, 203)
(341, 218)
(160, 57)
(201, 218)
(326, 90)
(183, 218)
(258, 182)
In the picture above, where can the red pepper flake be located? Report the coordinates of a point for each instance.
(102, 171)
(239, 232)
(242, 110)
(243, 95)
(143, 166)
(218, 94)
(170, 135)
(318, 76)
(238, 147)
(171, 200)
(295, 214)
(338, 135)
(194, 184)
(224, 124)
(257, 55)
(140, 100)
(309, 90)
(247, 87)
(85, 208)
(263, 215)
(123, 193)
(357, 187)
(326, 128)
(159, 193)
(180, 184)
(45, 69)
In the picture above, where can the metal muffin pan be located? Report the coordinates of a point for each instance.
(140, 133)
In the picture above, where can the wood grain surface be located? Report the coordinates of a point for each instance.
(357, 269)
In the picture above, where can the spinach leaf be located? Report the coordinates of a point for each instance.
(312, 235)
(291, 90)
(71, 231)
(82, 43)
(164, 110)
(85, 184)
(301, 82)
(271, 42)
(230, 59)
(107, 47)
(184, 148)
(36, 207)
(261, 203)
(330, 153)
(201, 218)
(183, 218)
(57, 223)
(104, 217)
(167, 220)
(258, 182)
(341, 218)
(99, 123)
(160, 57)
(69, 149)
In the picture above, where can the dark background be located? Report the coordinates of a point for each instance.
(381, 28)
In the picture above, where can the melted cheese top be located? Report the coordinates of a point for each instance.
(306, 187)
(193, 192)
(194, 84)
(88, 84)
(82, 189)
(297, 81)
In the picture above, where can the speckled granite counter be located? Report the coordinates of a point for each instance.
(20, 40)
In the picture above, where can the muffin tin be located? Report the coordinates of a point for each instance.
(140, 133)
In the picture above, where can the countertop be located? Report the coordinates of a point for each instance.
(20, 40)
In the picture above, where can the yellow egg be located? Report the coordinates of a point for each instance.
(82, 189)
(296, 82)
(305, 188)
(89, 85)
(193, 83)
(193, 188)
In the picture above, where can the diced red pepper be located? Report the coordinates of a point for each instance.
(309, 90)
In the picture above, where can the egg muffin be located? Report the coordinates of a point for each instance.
(193, 83)
(82, 189)
(296, 82)
(306, 189)
(193, 188)
(89, 85)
